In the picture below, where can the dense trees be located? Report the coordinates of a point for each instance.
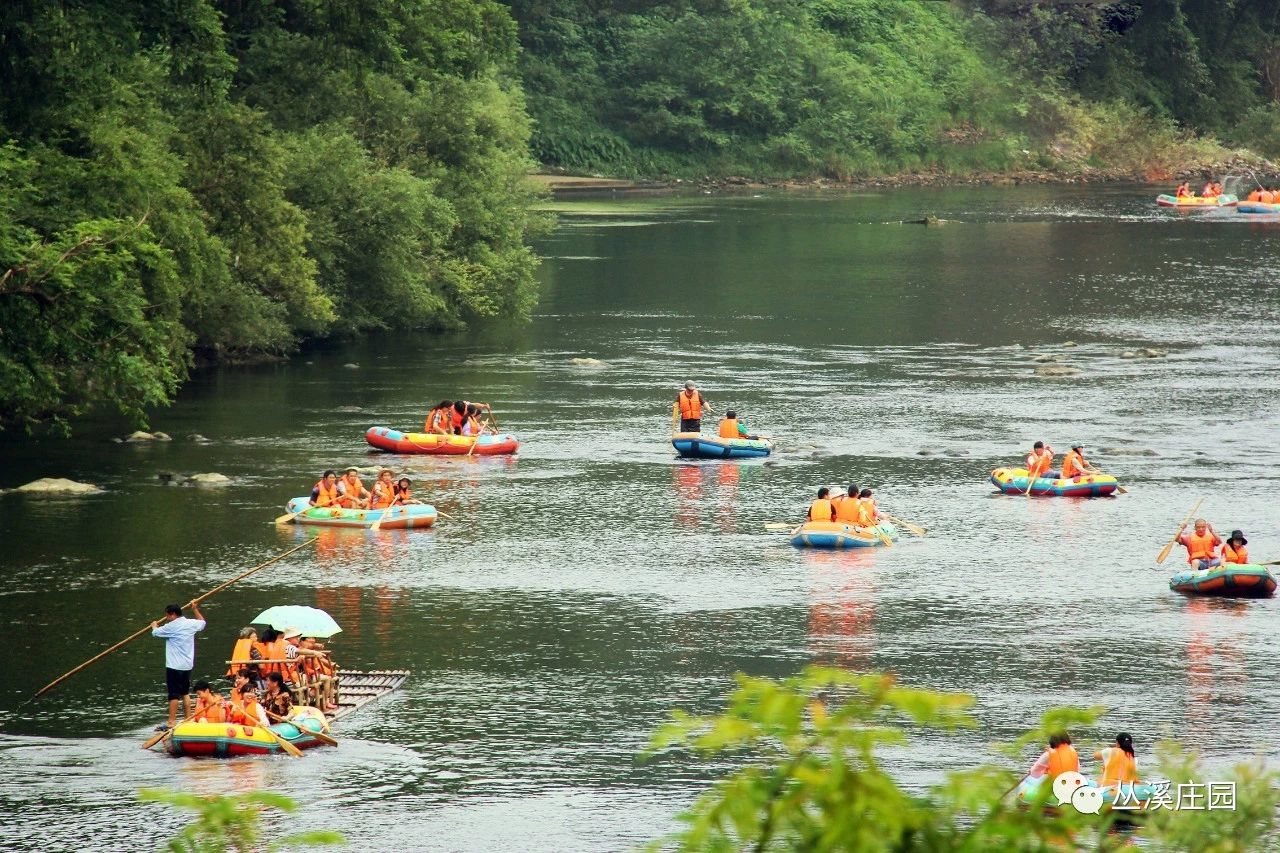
(230, 176)
(844, 87)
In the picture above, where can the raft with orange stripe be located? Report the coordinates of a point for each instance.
(394, 441)
(1230, 581)
(834, 534)
(1014, 481)
(225, 740)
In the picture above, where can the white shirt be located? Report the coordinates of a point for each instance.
(180, 642)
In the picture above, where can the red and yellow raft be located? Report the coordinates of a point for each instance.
(394, 441)
(225, 740)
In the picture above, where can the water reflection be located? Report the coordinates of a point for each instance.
(842, 607)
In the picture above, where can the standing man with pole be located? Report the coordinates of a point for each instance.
(690, 403)
(179, 635)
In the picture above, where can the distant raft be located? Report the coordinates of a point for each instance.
(397, 517)
(394, 441)
(1166, 200)
(1257, 207)
(1129, 801)
(693, 445)
(833, 534)
(1230, 581)
(1014, 481)
(224, 740)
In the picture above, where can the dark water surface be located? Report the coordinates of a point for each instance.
(594, 582)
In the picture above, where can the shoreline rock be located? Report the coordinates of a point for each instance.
(210, 479)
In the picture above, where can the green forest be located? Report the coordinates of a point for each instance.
(225, 179)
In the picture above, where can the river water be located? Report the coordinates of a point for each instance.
(594, 582)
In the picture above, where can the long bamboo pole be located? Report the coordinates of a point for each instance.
(134, 636)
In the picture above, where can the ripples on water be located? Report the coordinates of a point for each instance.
(593, 583)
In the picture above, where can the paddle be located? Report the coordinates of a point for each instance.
(310, 541)
(913, 528)
(320, 736)
(290, 516)
(284, 744)
(1164, 552)
(159, 736)
(377, 525)
(1119, 488)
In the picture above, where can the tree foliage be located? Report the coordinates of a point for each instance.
(232, 823)
(231, 176)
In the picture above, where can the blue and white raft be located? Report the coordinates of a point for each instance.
(694, 445)
(834, 534)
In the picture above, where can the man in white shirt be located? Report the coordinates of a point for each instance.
(179, 635)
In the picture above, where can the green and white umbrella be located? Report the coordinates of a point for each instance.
(311, 621)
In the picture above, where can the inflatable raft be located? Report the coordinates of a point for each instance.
(1014, 481)
(224, 740)
(1257, 207)
(394, 441)
(1133, 801)
(1233, 581)
(397, 517)
(833, 534)
(1166, 200)
(695, 445)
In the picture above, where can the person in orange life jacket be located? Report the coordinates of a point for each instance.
(318, 671)
(1183, 191)
(1040, 461)
(209, 705)
(1209, 191)
(1233, 550)
(472, 425)
(438, 419)
(325, 492)
(384, 491)
(404, 494)
(870, 514)
(1074, 464)
(246, 649)
(848, 509)
(1201, 544)
(691, 403)
(731, 427)
(1256, 195)
(457, 416)
(1062, 757)
(249, 712)
(351, 492)
(243, 678)
(822, 509)
(1118, 765)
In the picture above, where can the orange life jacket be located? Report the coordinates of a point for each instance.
(271, 651)
(729, 428)
(822, 510)
(1118, 766)
(1039, 461)
(1266, 197)
(1063, 759)
(240, 652)
(384, 495)
(402, 495)
(1199, 547)
(247, 717)
(1256, 195)
(326, 496)
(848, 510)
(1183, 191)
(435, 418)
(690, 406)
(351, 496)
(1239, 556)
(1072, 465)
(455, 419)
(867, 508)
(214, 712)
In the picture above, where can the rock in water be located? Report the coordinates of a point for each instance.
(1046, 357)
(211, 479)
(57, 486)
(140, 436)
(351, 366)
(161, 436)
(1068, 343)
(588, 362)
(197, 438)
(1128, 354)
(1056, 370)
(1152, 352)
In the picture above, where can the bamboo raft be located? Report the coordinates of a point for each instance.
(356, 689)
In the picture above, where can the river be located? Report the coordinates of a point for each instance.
(594, 582)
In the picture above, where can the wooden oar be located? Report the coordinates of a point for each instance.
(913, 528)
(284, 744)
(320, 736)
(445, 515)
(885, 540)
(159, 736)
(311, 541)
(778, 525)
(1119, 488)
(290, 516)
(377, 525)
(1164, 552)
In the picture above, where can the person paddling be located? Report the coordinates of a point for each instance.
(439, 420)
(325, 492)
(869, 513)
(1201, 544)
(1040, 461)
(1233, 550)
(1118, 764)
(1059, 758)
(210, 707)
(691, 403)
(404, 492)
(351, 491)
(179, 635)
(384, 491)
(1074, 464)
(822, 509)
(848, 509)
(1183, 191)
(732, 427)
